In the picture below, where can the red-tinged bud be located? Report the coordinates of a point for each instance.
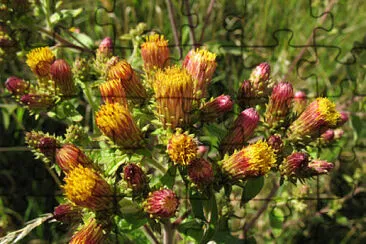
(338, 133)
(260, 76)
(327, 136)
(131, 83)
(91, 232)
(62, 76)
(112, 91)
(69, 156)
(299, 102)
(216, 107)
(275, 141)
(37, 101)
(161, 204)
(16, 86)
(200, 172)
(243, 129)
(106, 47)
(319, 167)
(47, 146)
(135, 177)
(279, 104)
(202, 150)
(67, 213)
(155, 52)
(319, 115)
(254, 160)
(343, 118)
(248, 96)
(294, 164)
(201, 65)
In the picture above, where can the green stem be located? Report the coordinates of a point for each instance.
(168, 233)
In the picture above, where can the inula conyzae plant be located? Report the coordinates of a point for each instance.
(160, 155)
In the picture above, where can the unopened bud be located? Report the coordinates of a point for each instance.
(16, 86)
(62, 76)
(135, 177)
(299, 102)
(275, 142)
(105, 47)
(216, 108)
(200, 172)
(67, 213)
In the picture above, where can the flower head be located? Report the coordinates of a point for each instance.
(62, 76)
(319, 115)
(135, 177)
(112, 91)
(40, 61)
(254, 160)
(67, 213)
(161, 204)
(294, 164)
(116, 122)
(279, 104)
(200, 64)
(173, 89)
(131, 83)
(216, 107)
(91, 232)
(69, 156)
(260, 76)
(243, 128)
(16, 86)
(200, 172)
(155, 52)
(86, 188)
(182, 148)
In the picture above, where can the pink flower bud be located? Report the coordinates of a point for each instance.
(299, 102)
(16, 86)
(47, 146)
(327, 136)
(200, 172)
(216, 108)
(260, 76)
(343, 118)
(279, 104)
(67, 213)
(105, 47)
(242, 130)
(62, 76)
(135, 177)
(161, 204)
(338, 133)
(275, 142)
(294, 164)
(35, 101)
(319, 167)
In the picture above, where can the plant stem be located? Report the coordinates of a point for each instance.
(168, 232)
(150, 234)
(207, 19)
(174, 26)
(190, 24)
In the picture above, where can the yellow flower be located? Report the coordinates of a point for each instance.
(327, 110)
(86, 188)
(40, 61)
(116, 122)
(155, 52)
(254, 160)
(182, 148)
(174, 89)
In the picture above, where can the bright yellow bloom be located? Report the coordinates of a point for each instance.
(174, 89)
(254, 160)
(40, 60)
(182, 148)
(327, 110)
(113, 92)
(86, 188)
(155, 52)
(116, 122)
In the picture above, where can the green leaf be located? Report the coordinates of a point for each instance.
(195, 198)
(251, 189)
(276, 218)
(192, 228)
(168, 179)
